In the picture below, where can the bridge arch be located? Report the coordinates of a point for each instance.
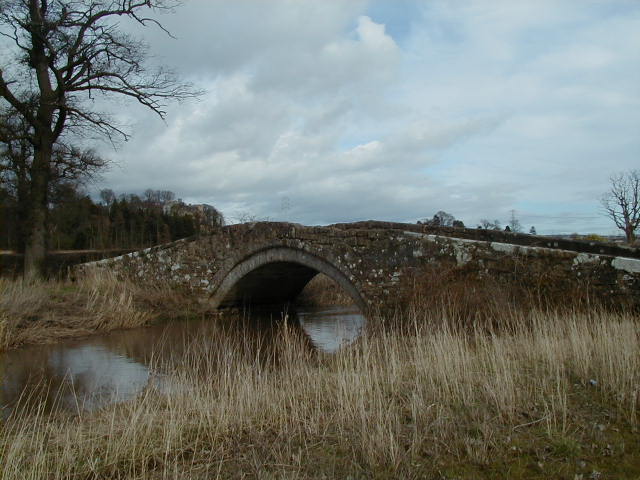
(277, 275)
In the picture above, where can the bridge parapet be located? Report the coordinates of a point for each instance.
(499, 236)
(375, 262)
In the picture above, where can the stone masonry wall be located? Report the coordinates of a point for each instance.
(379, 258)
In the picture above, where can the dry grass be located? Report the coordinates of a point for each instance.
(417, 398)
(46, 311)
(20, 302)
(474, 299)
(468, 380)
(4, 330)
(20, 297)
(111, 302)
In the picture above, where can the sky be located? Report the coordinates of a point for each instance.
(330, 111)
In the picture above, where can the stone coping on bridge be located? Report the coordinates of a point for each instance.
(481, 235)
(523, 239)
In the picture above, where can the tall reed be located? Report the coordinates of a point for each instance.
(47, 310)
(20, 301)
(411, 399)
(110, 301)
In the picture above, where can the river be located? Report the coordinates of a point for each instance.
(85, 374)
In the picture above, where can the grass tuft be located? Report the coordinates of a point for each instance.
(46, 311)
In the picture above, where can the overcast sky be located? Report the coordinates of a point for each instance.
(330, 111)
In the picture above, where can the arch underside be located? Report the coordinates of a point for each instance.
(276, 276)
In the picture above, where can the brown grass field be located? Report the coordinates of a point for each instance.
(428, 392)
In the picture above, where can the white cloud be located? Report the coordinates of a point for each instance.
(482, 107)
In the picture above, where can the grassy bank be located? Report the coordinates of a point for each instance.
(543, 395)
(48, 310)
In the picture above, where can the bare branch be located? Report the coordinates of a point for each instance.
(622, 202)
(8, 95)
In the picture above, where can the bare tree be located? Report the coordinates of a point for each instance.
(514, 224)
(489, 225)
(66, 52)
(622, 202)
(158, 197)
(440, 219)
(69, 165)
(15, 153)
(107, 196)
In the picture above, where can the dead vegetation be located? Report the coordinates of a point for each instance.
(44, 311)
(556, 397)
(476, 299)
(466, 380)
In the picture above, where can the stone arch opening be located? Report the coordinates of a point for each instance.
(322, 291)
(276, 276)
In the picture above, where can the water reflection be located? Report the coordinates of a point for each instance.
(331, 329)
(92, 372)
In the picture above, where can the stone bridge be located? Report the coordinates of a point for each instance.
(374, 262)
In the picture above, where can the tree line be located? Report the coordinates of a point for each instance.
(128, 221)
(444, 219)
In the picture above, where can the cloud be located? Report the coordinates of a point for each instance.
(475, 108)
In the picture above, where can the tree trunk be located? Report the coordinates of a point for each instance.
(36, 211)
(630, 234)
(22, 202)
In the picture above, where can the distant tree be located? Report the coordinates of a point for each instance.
(107, 196)
(132, 199)
(458, 224)
(8, 224)
(532, 231)
(489, 225)
(594, 237)
(446, 219)
(514, 224)
(166, 196)
(440, 219)
(622, 202)
(249, 217)
(70, 218)
(507, 228)
(158, 197)
(164, 235)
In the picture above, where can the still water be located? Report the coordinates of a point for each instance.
(85, 374)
